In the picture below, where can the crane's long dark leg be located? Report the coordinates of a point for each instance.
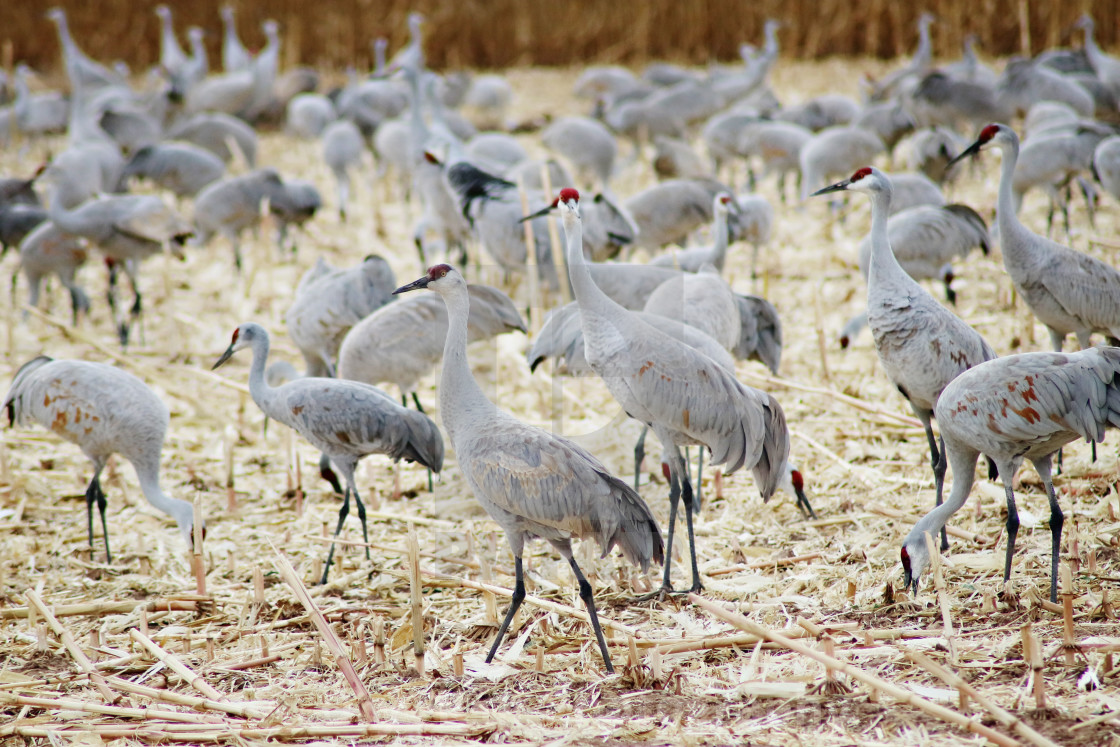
(589, 602)
(515, 602)
(674, 499)
(416, 401)
(1057, 519)
(328, 474)
(699, 479)
(342, 514)
(689, 510)
(1012, 522)
(639, 455)
(937, 462)
(94, 494)
(362, 518)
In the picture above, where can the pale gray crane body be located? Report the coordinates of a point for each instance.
(683, 395)
(1069, 292)
(343, 147)
(48, 250)
(668, 212)
(183, 169)
(325, 309)
(105, 411)
(703, 300)
(403, 341)
(308, 114)
(37, 113)
(921, 344)
(587, 144)
(531, 482)
(834, 151)
(1022, 407)
(345, 420)
(215, 131)
(693, 258)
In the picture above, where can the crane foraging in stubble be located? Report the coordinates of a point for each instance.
(345, 420)
(105, 411)
(1020, 407)
(921, 344)
(1066, 290)
(531, 482)
(683, 395)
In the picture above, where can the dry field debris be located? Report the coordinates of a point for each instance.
(803, 635)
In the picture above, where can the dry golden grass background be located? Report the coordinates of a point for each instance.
(868, 479)
(505, 33)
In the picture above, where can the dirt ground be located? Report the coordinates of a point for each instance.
(248, 647)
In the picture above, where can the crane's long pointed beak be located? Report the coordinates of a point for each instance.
(414, 285)
(971, 150)
(837, 187)
(539, 214)
(225, 357)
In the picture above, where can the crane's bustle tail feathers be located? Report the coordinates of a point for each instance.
(635, 531)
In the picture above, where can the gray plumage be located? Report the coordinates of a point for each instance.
(760, 335)
(105, 411)
(1022, 407)
(531, 482)
(912, 189)
(702, 300)
(308, 114)
(326, 308)
(686, 397)
(921, 344)
(48, 250)
(1068, 291)
(693, 258)
(346, 420)
(17, 220)
(668, 212)
(342, 150)
(234, 55)
(835, 151)
(183, 169)
(926, 239)
(403, 341)
(214, 131)
(561, 339)
(229, 206)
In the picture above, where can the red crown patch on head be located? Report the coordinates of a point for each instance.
(725, 199)
(988, 133)
(437, 271)
(865, 171)
(797, 480)
(568, 194)
(236, 332)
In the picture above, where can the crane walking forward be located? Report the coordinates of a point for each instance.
(532, 482)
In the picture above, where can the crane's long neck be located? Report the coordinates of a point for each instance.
(1010, 227)
(147, 473)
(589, 296)
(170, 44)
(418, 128)
(459, 392)
(924, 54)
(262, 393)
(69, 48)
(884, 268)
(379, 58)
(69, 220)
(963, 461)
(722, 239)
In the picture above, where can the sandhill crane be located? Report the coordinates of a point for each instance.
(197, 65)
(834, 151)
(684, 396)
(921, 344)
(492, 206)
(703, 300)
(606, 81)
(667, 212)
(38, 113)
(693, 258)
(325, 309)
(48, 250)
(345, 420)
(1068, 291)
(105, 411)
(607, 226)
(532, 483)
(587, 144)
(402, 342)
(1106, 68)
(231, 205)
(912, 189)
(234, 55)
(778, 146)
(495, 151)
(263, 68)
(1024, 82)
(827, 110)
(411, 55)
(930, 151)
(1024, 406)
(215, 132)
(127, 229)
(441, 214)
(888, 120)
(1053, 159)
(84, 73)
(887, 85)
(940, 99)
(171, 55)
(183, 169)
(342, 150)
(296, 203)
(754, 221)
(309, 114)
(969, 67)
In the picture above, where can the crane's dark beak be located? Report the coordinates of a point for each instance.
(225, 357)
(837, 187)
(539, 214)
(971, 150)
(909, 580)
(414, 285)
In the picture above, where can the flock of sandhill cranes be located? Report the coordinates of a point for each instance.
(663, 336)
